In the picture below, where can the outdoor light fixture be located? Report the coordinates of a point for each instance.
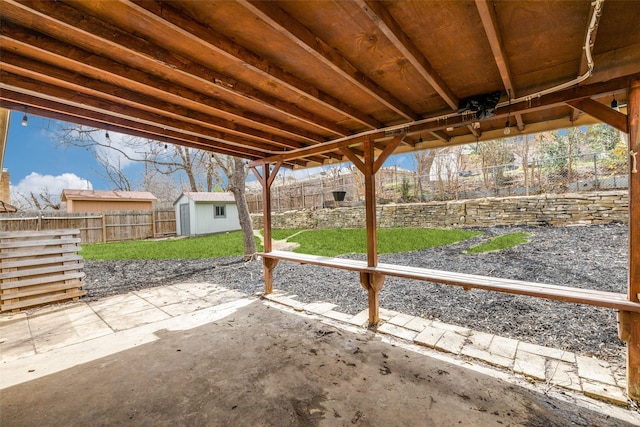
(25, 119)
(614, 104)
(106, 136)
(507, 127)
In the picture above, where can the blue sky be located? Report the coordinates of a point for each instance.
(35, 162)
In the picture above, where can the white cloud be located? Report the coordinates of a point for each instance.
(53, 185)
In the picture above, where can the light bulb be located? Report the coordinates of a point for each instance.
(106, 136)
(507, 128)
(25, 120)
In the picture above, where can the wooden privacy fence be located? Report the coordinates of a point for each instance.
(101, 227)
(39, 267)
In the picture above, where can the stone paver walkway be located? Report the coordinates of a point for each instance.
(43, 341)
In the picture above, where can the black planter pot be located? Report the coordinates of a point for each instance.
(338, 196)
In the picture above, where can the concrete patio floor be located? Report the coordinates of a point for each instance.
(201, 354)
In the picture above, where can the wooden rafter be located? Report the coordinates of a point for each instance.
(16, 39)
(490, 24)
(272, 14)
(392, 30)
(232, 50)
(79, 84)
(92, 33)
(602, 112)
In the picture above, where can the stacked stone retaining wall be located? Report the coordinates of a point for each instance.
(546, 209)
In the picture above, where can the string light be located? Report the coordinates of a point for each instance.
(507, 125)
(25, 119)
(107, 137)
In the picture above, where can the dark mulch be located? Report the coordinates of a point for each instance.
(592, 257)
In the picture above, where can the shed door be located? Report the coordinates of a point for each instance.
(184, 220)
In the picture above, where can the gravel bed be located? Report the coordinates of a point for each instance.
(592, 257)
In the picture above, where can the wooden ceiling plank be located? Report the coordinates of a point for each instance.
(14, 37)
(190, 28)
(136, 100)
(602, 112)
(393, 31)
(273, 15)
(71, 24)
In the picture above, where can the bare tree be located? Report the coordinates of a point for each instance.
(40, 201)
(424, 160)
(197, 166)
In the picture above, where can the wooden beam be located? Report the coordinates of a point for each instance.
(76, 27)
(98, 119)
(273, 15)
(441, 135)
(602, 112)
(24, 42)
(633, 319)
(389, 149)
(372, 283)
(357, 162)
(370, 204)
(168, 15)
(545, 102)
(489, 20)
(393, 31)
(74, 84)
(492, 30)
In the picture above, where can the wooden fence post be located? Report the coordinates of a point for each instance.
(104, 229)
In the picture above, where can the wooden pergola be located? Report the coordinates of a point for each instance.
(298, 84)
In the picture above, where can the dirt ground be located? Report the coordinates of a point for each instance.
(264, 367)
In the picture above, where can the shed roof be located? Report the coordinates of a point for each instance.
(107, 195)
(208, 197)
(305, 82)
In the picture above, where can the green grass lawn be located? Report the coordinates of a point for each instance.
(499, 243)
(334, 242)
(218, 245)
(331, 242)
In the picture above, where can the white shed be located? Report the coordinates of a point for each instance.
(205, 213)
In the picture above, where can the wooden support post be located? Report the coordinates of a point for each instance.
(370, 204)
(266, 179)
(269, 264)
(369, 165)
(372, 283)
(630, 322)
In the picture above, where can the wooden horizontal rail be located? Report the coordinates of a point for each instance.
(68, 249)
(40, 261)
(35, 243)
(42, 280)
(539, 290)
(43, 289)
(26, 272)
(37, 233)
(72, 293)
